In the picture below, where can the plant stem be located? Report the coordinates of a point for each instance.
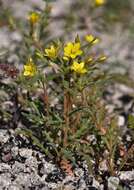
(45, 96)
(46, 101)
(67, 109)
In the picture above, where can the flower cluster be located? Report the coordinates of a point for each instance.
(73, 56)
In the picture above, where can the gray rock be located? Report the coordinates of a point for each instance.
(4, 167)
(25, 152)
(16, 187)
(103, 166)
(7, 157)
(79, 172)
(95, 183)
(121, 121)
(127, 175)
(17, 167)
(47, 168)
(113, 183)
(5, 180)
(23, 179)
(32, 163)
(4, 136)
(128, 138)
(13, 59)
(15, 151)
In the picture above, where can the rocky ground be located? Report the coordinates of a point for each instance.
(22, 166)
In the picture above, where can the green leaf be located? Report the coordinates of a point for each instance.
(68, 155)
(77, 39)
(80, 132)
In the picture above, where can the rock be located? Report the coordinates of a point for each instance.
(128, 138)
(121, 121)
(23, 179)
(79, 172)
(13, 59)
(7, 157)
(92, 139)
(95, 184)
(4, 136)
(15, 151)
(113, 183)
(17, 167)
(4, 168)
(32, 163)
(127, 175)
(5, 180)
(46, 167)
(103, 165)
(16, 187)
(55, 176)
(25, 152)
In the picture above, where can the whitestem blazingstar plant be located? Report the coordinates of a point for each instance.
(75, 84)
(73, 68)
(57, 98)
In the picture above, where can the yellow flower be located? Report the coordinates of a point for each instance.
(91, 39)
(99, 2)
(34, 18)
(72, 50)
(30, 68)
(78, 67)
(51, 52)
